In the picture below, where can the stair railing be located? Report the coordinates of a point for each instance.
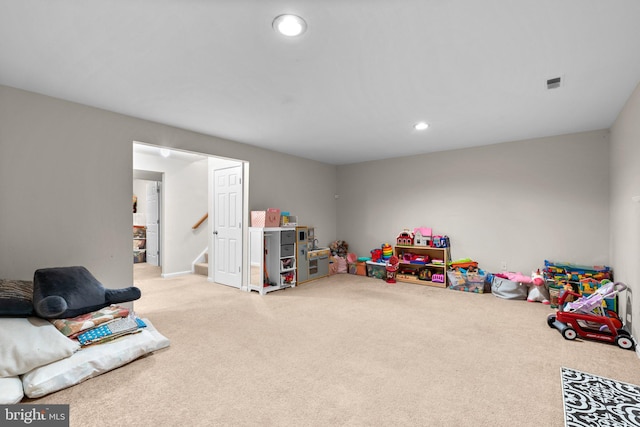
(200, 221)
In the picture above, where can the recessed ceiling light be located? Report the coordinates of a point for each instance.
(289, 25)
(421, 126)
(165, 152)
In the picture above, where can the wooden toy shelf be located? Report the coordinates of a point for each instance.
(432, 253)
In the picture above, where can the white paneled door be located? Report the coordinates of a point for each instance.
(227, 226)
(153, 209)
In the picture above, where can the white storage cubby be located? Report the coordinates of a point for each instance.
(272, 259)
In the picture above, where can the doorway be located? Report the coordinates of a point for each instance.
(147, 219)
(187, 192)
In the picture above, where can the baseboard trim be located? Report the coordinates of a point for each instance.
(177, 274)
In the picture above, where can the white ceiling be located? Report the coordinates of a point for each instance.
(349, 89)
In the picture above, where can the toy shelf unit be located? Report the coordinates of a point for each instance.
(422, 265)
(139, 244)
(272, 259)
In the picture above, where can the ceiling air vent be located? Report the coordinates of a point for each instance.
(554, 83)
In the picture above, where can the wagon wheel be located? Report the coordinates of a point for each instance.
(625, 342)
(550, 320)
(569, 333)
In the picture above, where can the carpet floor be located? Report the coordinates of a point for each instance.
(341, 351)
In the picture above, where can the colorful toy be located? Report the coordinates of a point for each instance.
(463, 263)
(587, 317)
(537, 289)
(339, 248)
(514, 277)
(425, 274)
(437, 277)
(387, 251)
(376, 255)
(411, 258)
(422, 236)
(440, 241)
(392, 267)
(588, 286)
(419, 259)
(287, 278)
(559, 271)
(405, 238)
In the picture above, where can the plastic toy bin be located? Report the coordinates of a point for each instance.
(377, 270)
(468, 282)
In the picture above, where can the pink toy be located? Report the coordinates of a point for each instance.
(422, 236)
(516, 277)
(439, 278)
(537, 289)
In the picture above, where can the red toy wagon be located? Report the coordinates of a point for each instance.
(587, 317)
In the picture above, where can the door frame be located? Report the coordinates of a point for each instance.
(245, 208)
(160, 220)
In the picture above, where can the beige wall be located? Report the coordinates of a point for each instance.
(625, 212)
(518, 202)
(66, 176)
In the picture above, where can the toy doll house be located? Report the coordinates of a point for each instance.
(422, 236)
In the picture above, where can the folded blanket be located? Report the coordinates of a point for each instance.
(72, 327)
(111, 330)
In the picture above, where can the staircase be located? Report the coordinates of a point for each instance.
(202, 267)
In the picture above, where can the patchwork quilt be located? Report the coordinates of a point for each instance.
(74, 326)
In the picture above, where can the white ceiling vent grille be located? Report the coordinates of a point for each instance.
(554, 83)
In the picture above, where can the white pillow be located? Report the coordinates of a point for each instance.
(10, 390)
(92, 361)
(29, 342)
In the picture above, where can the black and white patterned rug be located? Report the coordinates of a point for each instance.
(590, 400)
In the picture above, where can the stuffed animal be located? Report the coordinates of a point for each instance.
(516, 277)
(63, 292)
(537, 289)
(339, 248)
